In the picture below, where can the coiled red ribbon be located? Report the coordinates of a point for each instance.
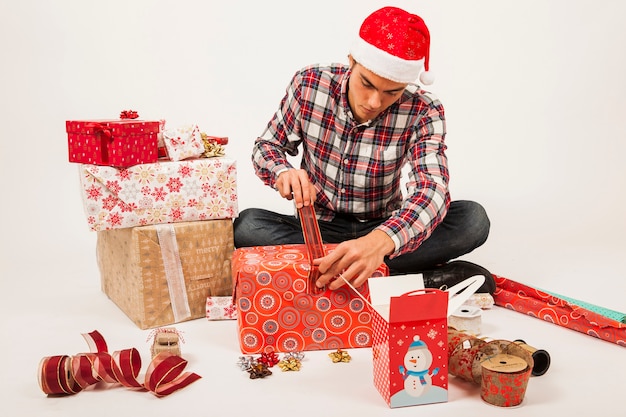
(65, 375)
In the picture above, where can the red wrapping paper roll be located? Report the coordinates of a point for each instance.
(536, 303)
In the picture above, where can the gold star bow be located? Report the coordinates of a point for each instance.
(290, 364)
(340, 356)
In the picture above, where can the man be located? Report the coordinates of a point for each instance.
(358, 126)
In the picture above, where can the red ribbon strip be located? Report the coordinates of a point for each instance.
(65, 375)
(314, 243)
(105, 137)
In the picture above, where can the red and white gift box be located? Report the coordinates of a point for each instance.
(220, 308)
(117, 143)
(161, 192)
(183, 142)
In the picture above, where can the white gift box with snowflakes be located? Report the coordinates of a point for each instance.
(220, 308)
(183, 142)
(157, 193)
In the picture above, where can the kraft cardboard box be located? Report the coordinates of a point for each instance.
(162, 274)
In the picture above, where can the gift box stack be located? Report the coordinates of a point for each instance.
(162, 201)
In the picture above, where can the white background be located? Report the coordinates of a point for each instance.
(535, 96)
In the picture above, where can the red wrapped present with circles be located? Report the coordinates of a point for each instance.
(280, 309)
(117, 143)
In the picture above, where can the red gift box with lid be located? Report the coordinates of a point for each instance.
(116, 143)
(279, 308)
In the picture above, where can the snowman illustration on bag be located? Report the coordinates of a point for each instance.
(417, 361)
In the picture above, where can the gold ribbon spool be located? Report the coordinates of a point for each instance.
(499, 346)
(504, 379)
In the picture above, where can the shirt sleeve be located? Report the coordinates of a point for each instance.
(427, 198)
(282, 136)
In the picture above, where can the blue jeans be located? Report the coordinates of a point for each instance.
(465, 227)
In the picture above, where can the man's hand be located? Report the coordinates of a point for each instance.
(294, 184)
(356, 260)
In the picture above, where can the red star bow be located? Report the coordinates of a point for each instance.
(129, 114)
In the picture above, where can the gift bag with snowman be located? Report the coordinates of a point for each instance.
(410, 331)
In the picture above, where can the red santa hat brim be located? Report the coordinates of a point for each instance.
(384, 64)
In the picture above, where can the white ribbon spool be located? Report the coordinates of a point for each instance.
(467, 319)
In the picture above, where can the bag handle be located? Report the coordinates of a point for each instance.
(314, 244)
(461, 292)
(457, 294)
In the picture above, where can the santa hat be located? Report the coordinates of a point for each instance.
(394, 44)
(417, 343)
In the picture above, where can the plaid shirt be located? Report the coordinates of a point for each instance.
(357, 168)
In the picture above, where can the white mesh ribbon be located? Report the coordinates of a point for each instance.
(173, 271)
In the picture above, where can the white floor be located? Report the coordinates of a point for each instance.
(549, 170)
(49, 302)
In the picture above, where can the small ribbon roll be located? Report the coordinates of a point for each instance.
(541, 358)
(65, 375)
(467, 319)
(504, 380)
(166, 339)
(497, 347)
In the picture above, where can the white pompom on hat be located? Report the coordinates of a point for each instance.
(417, 344)
(395, 45)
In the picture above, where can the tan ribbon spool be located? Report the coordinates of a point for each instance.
(541, 358)
(462, 351)
(499, 346)
(504, 379)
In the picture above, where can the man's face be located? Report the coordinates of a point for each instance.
(369, 94)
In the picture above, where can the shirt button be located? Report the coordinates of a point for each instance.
(346, 161)
(343, 191)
